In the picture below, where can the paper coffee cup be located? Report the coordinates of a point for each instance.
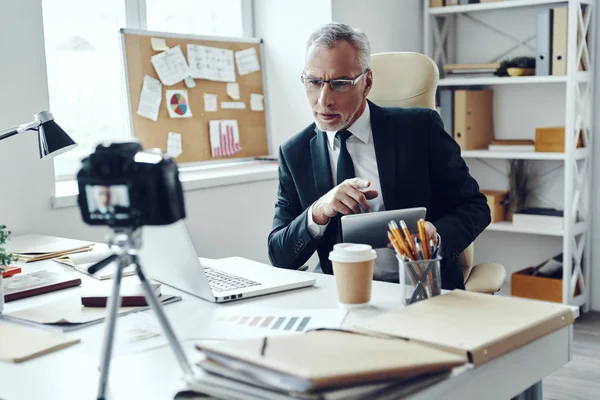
(353, 266)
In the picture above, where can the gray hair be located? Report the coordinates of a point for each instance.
(329, 35)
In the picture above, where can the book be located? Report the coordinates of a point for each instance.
(10, 270)
(511, 147)
(82, 261)
(132, 295)
(539, 218)
(33, 247)
(35, 283)
(513, 141)
(456, 68)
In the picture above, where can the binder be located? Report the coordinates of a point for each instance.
(477, 325)
(447, 110)
(473, 120)
(559, 40)
(544, 42)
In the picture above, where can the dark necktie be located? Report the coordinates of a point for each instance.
(345, 168)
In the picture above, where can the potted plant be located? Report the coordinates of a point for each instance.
(517, 66)
(5, 259)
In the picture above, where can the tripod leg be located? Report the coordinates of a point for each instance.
(162, 319)
(109, 333)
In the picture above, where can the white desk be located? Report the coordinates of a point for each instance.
(154, 373)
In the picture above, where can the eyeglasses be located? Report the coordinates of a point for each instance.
(336, 85)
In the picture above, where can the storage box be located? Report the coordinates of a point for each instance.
(436, 3)
(524, 284)
(494, 200)
(552, 140)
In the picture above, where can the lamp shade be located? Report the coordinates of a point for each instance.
(53, 140)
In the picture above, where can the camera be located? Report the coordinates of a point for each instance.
(120, 185)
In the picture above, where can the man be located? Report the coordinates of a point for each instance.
(358, 157)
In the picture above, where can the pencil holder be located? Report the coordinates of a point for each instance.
(419, 280)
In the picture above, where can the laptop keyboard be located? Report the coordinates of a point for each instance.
(221, 281)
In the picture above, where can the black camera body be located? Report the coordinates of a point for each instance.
(120, 185)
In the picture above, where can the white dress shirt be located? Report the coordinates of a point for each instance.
(362, 150)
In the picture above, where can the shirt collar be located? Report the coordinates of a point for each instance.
(361, 128)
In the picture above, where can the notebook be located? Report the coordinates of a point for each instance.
(20, 343)
(328, 358)
(82, 261)
(476, 325)
(39, 282)
(33, 247)
(10, 270)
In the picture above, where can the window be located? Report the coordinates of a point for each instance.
(197, 17)
(83, 58)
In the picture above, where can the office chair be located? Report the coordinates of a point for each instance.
(405, 79)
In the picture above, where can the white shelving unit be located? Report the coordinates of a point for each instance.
(578, 88)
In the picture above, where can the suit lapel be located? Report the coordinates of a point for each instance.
(385, 142)
(320, 162)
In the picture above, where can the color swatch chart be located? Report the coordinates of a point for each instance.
(244, 323)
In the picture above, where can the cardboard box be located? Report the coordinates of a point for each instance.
(494, 200)
(552, 140)
(524, 284)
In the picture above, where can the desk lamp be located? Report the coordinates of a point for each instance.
(51, 138)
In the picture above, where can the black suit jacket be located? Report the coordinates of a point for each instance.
(419, 166)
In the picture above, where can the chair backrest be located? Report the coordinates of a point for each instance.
(403, 79)
(406, 79)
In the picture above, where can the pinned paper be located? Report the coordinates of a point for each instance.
(224, 138)
(210, 102)
(171, 66)
(174, 148)
(233, 105)
(178, 104)
(189, 82)
(233, 90)
(256, 102)
(159, 44)
(247, 61)
(211, 63)
(150, 98)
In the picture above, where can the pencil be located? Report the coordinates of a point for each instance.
(423, 238)
(408, 238)
(401, 243)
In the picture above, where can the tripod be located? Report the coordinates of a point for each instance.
(129, 241)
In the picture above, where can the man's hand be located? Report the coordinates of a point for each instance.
(349, 197)
(431, 232)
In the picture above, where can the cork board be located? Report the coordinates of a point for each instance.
(195, 134)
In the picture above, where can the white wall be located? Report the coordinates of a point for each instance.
(223, 221)
(391, 25)
(285, 27)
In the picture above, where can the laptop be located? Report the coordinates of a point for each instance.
(371, 228)
(168, 256)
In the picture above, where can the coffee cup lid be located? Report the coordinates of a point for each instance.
(352, 252)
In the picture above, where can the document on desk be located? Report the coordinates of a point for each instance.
(20, 343)
(246, 323)
(82, 261)
(33, 247)
(69, 314)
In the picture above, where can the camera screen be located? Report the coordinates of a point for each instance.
(108, 202)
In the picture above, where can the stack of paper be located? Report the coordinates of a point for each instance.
(30, 248)
(318, 363)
